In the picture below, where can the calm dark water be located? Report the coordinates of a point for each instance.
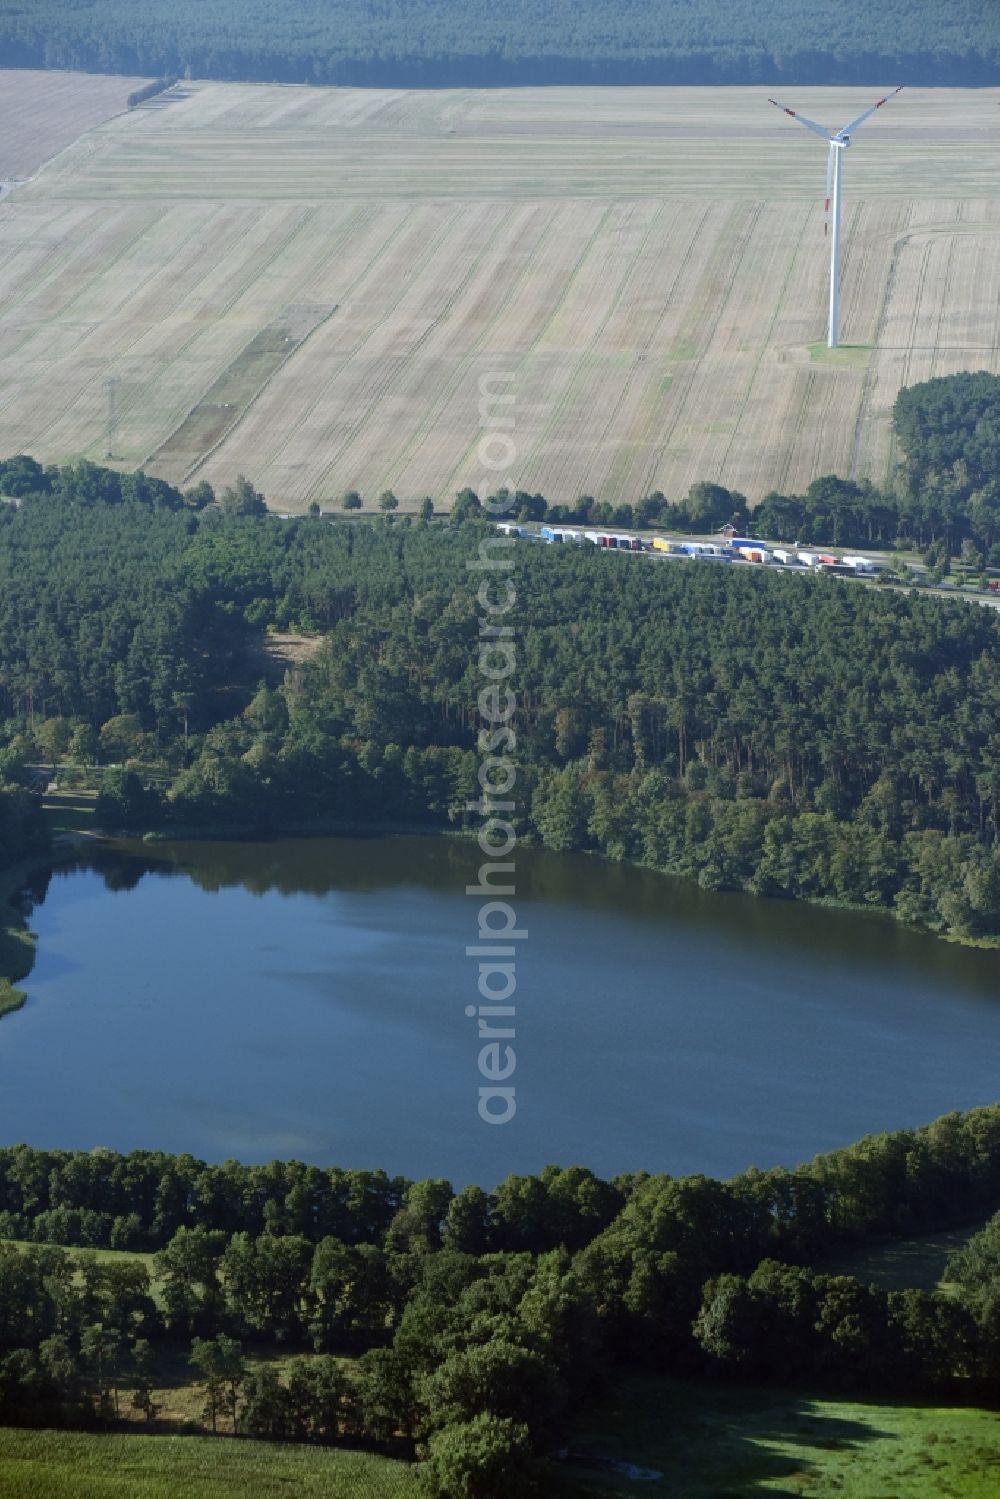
(308, 999)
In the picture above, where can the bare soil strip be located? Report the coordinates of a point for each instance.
(230, 397)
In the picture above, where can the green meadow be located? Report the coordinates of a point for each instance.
(718, 1442)
(63, 1465)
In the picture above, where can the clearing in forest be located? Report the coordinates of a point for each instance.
(307, 285)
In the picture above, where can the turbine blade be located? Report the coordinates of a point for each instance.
(861, 118)
(809, 124)
(829, 191)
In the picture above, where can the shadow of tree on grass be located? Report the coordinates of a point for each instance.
(714, 1442)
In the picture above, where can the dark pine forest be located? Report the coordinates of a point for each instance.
(470, 43)
(796, 736)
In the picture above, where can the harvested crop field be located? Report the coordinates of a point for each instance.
(40, 113)
(309, 285)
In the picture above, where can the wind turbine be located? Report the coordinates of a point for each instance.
(834, 177)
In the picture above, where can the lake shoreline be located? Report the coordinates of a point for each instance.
(336, 828)
(346, 828)
(323, 977)
(17, 941)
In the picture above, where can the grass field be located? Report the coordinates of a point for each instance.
(713, 1442)
(707, 1443)
(58, 1465)
(308, 285)
(916, 1264)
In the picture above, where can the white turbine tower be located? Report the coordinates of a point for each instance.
(834, 178)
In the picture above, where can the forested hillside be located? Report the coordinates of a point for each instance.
(795, 736)
(473, 43)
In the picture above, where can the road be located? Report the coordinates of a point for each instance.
(987, 600)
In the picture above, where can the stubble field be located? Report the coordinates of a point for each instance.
(308, 286)
(41, 113)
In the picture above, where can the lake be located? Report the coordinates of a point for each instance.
(308, 998)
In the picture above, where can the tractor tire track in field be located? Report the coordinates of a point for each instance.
(190, 472)
(945, 299)
(394, 369)
(461, 371)
(249, 274)
(102, 270)
(417, 266)
(253, 273)
(871, 373)
(798, 428)
(648, 473)
(915, 319)
(686, 379)
(587, 359)
(255, 268)
(638, 355)
(73, 249)
(27, 385)
(386, 370)
(621, 466)
(292, 431)
(464, 461)
(766, 343)
(464, 365)
(87, 332)
(901, 243)
(81, 291)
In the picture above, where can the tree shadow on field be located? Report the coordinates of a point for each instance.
(710, 1442)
